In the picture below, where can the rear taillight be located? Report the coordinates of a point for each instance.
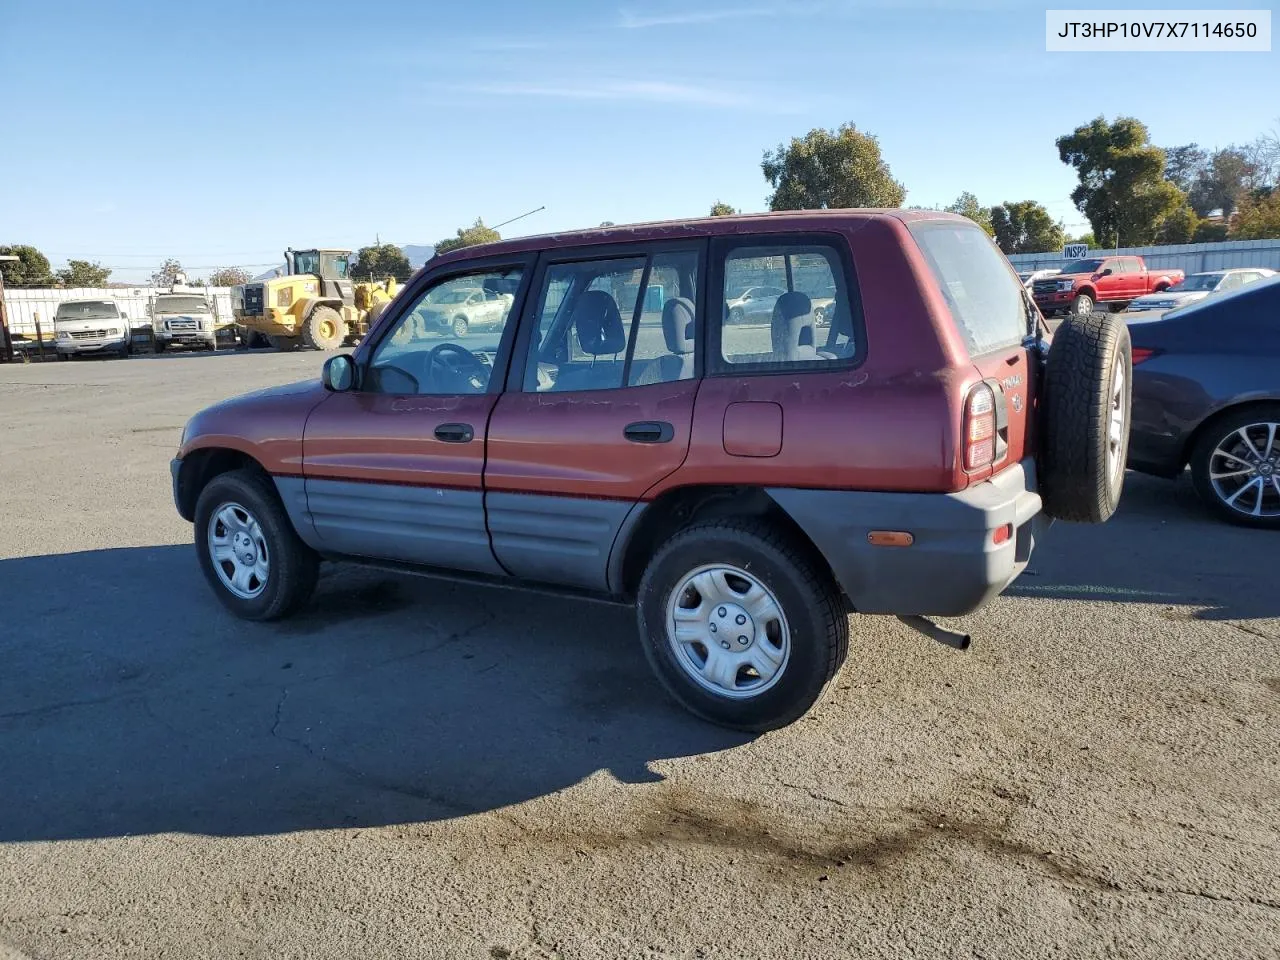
(980, 428)
(1141, 354)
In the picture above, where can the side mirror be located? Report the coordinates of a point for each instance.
(339, 373)
(1106, 273)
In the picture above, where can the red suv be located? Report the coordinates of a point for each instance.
(744, 484)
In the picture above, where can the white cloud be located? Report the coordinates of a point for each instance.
(653, 91)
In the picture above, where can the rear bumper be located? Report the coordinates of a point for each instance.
(953, 566)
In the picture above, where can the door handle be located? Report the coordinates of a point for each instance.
(455, 432)
(649, 431)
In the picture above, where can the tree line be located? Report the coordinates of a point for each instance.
(1132, 192)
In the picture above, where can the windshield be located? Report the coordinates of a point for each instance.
(1083, 266)
(453, 296)
(181, 305)
(87, 310)
(1197, 281)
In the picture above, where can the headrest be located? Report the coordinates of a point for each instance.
(677, 325)
(792, 325)
(599, 324)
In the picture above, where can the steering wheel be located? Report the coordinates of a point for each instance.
(467, 363)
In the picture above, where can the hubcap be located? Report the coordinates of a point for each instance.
(728, 631)
(327, 329)
(1115, 434)
(1244, 470)
(238, 549)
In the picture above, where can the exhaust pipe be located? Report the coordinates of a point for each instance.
(948, 638)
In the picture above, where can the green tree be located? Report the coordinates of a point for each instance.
(830, 168)
(1025, 227)
(1179, 226)
(30, 270)
(967, 206)
(468, 237)
(1210, 231)
(167, 275)
(1258, 219)
(229, 277)
(722, 209)
(82, 273)
(1222, 183)
(1183, 165)
(1122, 191)
(379, 261)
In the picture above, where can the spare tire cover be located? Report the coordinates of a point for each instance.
(1085, 416)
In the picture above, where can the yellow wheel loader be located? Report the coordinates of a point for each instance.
(313, 304)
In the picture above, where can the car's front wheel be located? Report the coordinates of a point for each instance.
(1082, 306)
(1235, 466)
(740, 624)
(460, 326)
(248, 549)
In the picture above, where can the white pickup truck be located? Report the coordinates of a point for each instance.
(183, 319)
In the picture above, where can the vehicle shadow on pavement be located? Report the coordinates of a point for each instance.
(1162, 547)
(132, 703)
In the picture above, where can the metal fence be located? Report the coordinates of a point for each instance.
(1188, 257)
(22, 305)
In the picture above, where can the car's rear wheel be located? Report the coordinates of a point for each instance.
(248, 549)
(1086, 418)
(741, 625)
(1082, 305)
(1235, 466)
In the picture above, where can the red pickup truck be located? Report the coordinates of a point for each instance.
(1111, 280)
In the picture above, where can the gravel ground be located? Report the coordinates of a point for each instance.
(412, 769)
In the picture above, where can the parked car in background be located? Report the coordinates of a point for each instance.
(1198, 286)
(1206, 394)
(91, 326)
(1100, 281)
(182, 319)
(743, 487)
(753, 305)
(460, 310)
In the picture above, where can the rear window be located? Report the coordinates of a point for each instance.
(986, 300)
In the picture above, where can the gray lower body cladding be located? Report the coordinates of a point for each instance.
(953, 565)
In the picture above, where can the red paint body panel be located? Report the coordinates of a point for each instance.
(572, 443)
(752, 429)
(382, 438)
(266, 425)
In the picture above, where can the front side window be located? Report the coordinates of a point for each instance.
(334, 265)
(609, 322)
(786, 304)
(447, 341)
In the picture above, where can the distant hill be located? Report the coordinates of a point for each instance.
(418, 254)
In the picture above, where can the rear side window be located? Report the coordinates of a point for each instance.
(784, 303)
(985, 298)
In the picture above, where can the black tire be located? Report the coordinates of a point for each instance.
(157, 345)
(813, 607)
(294, 567)
(1077, 482)
(325, 329)
(460, 326)
(285, 344)
(1082, 305)
(736, 315)
(1221, 431)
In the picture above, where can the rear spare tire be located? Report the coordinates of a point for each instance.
(1085, 418)
(325, 329)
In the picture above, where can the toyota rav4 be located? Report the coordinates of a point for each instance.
(614, 433)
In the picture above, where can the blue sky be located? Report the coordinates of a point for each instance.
(136, 130)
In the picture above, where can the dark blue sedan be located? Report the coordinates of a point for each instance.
(1206, 394)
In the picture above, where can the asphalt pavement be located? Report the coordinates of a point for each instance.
(417, 769)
